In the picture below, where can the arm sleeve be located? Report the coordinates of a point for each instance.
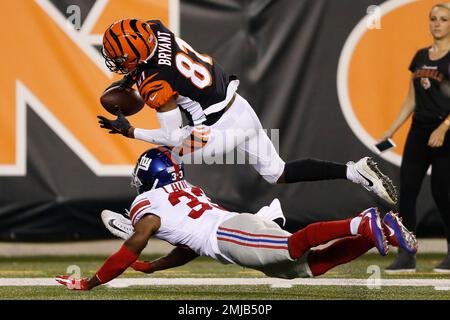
(171, 133)
(116, 264)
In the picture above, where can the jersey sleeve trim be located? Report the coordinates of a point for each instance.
(156, 93)
(138, 209)
(147, 81)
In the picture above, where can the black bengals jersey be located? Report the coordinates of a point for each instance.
(431, 104)
(176, 70)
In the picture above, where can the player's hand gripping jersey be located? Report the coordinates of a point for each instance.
(187, 216)
(199, 85)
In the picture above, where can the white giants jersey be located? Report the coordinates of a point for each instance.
(188, 216)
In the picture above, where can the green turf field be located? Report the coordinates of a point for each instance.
(48, 267)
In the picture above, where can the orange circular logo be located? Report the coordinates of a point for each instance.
(373, 75)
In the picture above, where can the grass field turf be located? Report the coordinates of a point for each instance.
(47, 267)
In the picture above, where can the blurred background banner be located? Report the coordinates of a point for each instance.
(330, 75)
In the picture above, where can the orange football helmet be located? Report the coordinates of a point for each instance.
(126, 43)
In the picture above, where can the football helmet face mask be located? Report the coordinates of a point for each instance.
(156, 168)
(126, 43)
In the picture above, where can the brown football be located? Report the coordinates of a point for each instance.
(127, 100)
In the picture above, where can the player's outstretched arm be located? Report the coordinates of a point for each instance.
(171, 132)
(116, 264)
(179, 256)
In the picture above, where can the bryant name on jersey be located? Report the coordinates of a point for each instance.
(164, 48)
(177, 70)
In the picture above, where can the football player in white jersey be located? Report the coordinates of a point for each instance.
(174, 78)
(171, 209)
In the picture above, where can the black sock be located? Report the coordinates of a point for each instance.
(313, 170)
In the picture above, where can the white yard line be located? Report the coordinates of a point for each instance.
(438, 284)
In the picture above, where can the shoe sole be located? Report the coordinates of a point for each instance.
(114, 224)
(380, 239)
(390, 221)
(400, 271)
(382, 182)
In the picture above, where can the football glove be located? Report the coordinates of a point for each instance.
(72, 283)
(120, 125)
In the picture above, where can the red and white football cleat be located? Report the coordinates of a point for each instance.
(370, 227)
(397, 234)
(72, 283)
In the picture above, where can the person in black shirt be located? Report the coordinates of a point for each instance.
(428, 141)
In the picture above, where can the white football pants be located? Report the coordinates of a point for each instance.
(253, 242)
(239, 128)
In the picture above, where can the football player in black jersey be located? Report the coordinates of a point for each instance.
(428, 141)
(172, 77)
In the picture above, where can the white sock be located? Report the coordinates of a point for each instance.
(354, 225)
(349, 172)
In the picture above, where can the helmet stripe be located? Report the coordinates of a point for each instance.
(135, 51)
(147, 24)
(107, 50)
(133, 25)
(116, 40)
(108, 39)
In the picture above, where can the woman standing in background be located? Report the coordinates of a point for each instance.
(428, 141)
